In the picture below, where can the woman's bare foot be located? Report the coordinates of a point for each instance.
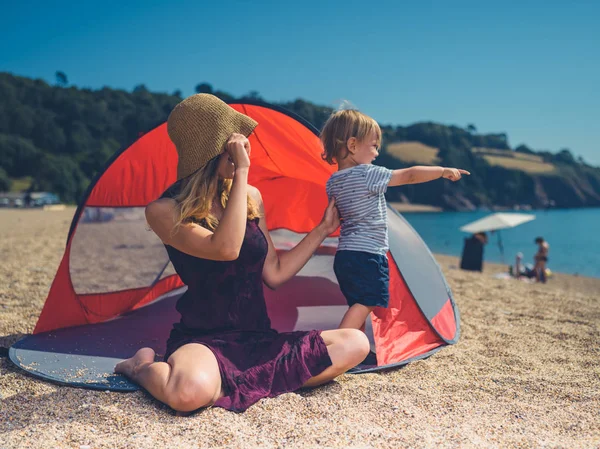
(132, 366)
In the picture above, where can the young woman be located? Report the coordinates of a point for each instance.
(223, 352)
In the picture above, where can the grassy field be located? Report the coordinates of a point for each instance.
(20, 184)
(507, 153)
(418, 153)
(409, 207)
(529, 163)
(414, 152)
(520, 164)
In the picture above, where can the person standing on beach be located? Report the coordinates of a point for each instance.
(352, 140)
(472, 255)
(224, 352)
(541, 258)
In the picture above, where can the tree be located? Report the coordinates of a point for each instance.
(46, 134)
(19, 156)
(224, 96)
(204, 88)
(497, 140)
(61, 175)
(178, 93)
(471, 128)
(22, 120)
(524, 149)
(565, 156)
(317, 115)
(61, 79)
(140, 88)
(4, 181)
(91, 162)
(254, 95)
(80, 139)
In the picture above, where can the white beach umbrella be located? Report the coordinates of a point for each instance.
(496, 222)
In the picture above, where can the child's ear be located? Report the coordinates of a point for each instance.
(351, 145)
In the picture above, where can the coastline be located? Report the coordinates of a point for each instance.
(564, 281)
(412, 207)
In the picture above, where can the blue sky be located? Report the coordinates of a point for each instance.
(527, 68)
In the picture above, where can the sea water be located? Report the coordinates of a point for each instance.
(573, 235)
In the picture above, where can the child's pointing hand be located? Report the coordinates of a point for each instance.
(454, 174)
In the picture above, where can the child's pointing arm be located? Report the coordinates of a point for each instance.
(419, 174)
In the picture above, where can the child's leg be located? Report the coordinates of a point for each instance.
(355, 317)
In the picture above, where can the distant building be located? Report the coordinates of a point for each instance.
(33, 199)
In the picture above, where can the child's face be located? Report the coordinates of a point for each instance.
(365, 151)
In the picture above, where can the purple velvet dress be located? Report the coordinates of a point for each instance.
(224, 309)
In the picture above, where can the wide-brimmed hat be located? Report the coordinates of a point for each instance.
(199, 127)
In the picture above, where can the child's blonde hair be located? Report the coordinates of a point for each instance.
(340, 127)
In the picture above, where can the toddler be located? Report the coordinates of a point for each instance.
(352, 140)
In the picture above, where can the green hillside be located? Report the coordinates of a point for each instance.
(56, 139)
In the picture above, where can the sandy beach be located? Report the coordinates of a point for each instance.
(525, 374)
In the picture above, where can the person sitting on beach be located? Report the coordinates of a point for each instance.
(223, 352)
(519, 269)
(352, 140)
(541, 258)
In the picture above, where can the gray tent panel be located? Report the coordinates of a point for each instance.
(420, 271)
(85, 356)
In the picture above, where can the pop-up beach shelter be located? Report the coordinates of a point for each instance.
(115, 290)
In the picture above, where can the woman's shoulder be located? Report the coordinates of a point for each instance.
(160, 215)
(254, 193)
(165, 204)
(160, 208)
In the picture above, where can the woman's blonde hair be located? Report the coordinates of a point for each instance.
(198, 193)
(340, 127)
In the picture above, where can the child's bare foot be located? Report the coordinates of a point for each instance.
(132, 366)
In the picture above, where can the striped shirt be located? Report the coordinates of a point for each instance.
(359, 197)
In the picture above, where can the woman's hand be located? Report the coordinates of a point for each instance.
(238, 147)
(280, 267)
(331, 218)
(454, 174)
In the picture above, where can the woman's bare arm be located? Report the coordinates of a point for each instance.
(279, 268)
(225, 242)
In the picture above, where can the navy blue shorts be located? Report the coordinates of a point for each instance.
(364, 278)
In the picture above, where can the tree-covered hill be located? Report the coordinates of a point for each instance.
(56, 138)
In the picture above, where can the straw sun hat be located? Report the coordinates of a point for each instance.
(199, 127)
